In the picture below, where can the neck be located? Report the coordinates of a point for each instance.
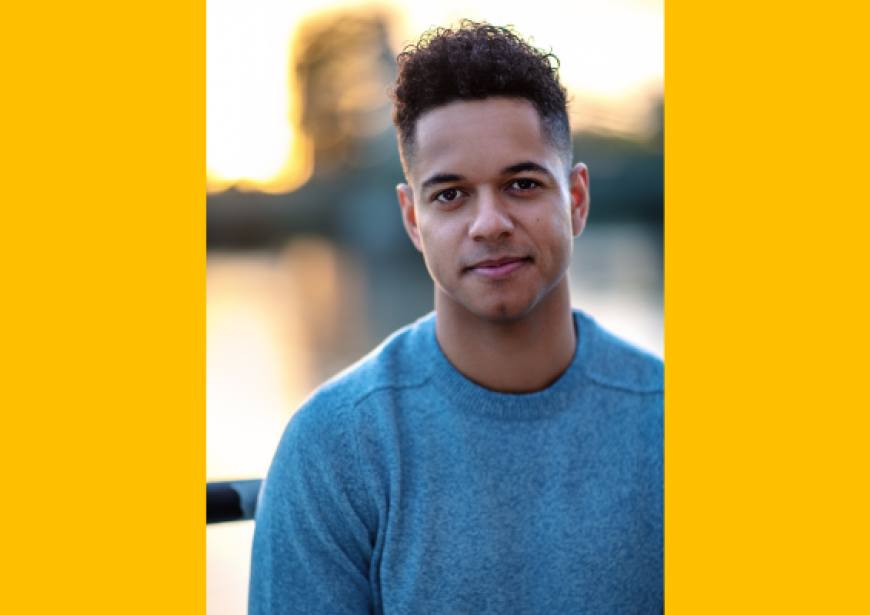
(522, 356)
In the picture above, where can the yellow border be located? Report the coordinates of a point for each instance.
(766, 429)
(103, 343)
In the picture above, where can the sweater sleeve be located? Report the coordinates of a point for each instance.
(313, 537)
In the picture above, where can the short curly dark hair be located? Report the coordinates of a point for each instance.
(475, 61)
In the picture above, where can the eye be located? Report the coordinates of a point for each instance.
(449, 195)
(524, 185)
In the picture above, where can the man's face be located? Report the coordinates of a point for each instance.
(491, 207)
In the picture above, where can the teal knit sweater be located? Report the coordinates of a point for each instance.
(402, 487)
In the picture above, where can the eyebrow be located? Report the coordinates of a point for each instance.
(520, 167)
(442, 178)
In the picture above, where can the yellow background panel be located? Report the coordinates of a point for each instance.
(765, 276)
(103, 275)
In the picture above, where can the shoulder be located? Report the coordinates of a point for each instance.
(401, 361)
(320, 443)
(613, 362)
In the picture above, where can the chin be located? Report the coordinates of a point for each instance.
(503, 313)
(502, 308)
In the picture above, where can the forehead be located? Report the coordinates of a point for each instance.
(481, 137)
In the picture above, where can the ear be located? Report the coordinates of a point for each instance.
(578, 184)
(409, 214)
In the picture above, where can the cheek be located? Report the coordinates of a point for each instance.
(438, 245)
(555, 235)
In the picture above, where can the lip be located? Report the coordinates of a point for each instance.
(499, 267)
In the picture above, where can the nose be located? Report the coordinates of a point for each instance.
(492, 220)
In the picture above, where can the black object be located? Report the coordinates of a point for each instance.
(231, 500)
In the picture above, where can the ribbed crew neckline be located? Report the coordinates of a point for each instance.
(469, 397)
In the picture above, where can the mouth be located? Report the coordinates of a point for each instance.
(498, 267)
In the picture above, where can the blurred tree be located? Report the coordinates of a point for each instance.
(626, 174)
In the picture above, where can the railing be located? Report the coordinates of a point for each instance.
(234, 500)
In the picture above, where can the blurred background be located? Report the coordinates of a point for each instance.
(308, 266)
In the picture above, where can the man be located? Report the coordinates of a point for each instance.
(503, 455)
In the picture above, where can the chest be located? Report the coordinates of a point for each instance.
(563, 520)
